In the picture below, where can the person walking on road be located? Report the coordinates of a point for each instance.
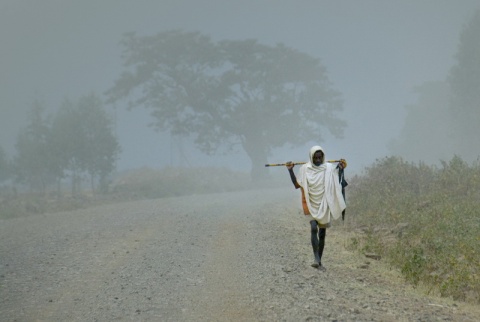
(322, 197)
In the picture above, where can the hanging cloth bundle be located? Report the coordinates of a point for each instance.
(344, 184)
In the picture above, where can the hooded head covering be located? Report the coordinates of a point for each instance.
(314, 149)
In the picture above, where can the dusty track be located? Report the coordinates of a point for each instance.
(221, 257)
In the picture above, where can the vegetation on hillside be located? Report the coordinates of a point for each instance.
(423, 220)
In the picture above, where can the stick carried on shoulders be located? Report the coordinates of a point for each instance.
(294, 163)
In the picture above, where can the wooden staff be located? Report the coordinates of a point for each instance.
(294, 163)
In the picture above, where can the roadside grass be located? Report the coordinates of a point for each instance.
(423, 220)
(175, 181)
(143, 183)
(26, 204)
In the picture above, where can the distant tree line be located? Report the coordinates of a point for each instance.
(446, 117)
(76, 142)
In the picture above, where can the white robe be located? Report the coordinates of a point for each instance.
(323, 191)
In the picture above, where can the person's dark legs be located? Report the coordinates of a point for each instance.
(318, 243)
(322, 232)
(315, 243)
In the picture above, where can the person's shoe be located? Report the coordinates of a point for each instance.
(316, 264)
(321, 268)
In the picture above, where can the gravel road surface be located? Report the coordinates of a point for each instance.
(220, 257)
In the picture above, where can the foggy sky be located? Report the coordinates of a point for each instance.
(375, 53)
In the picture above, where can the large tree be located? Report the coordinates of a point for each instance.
(229, 93)
(464, 80)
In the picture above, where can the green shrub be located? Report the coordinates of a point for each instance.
(431, 217)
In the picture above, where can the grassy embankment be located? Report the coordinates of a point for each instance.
(423, 220)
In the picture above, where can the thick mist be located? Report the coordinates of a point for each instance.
(376, 53)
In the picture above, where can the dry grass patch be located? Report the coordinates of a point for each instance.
(423, 220)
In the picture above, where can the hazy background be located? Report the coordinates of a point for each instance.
(375, 53)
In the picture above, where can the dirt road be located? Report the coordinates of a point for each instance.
(221, 257)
